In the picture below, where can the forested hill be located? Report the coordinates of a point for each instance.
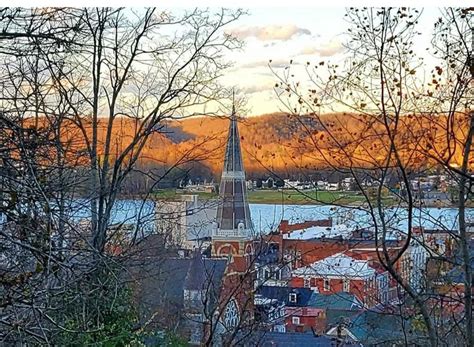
(288, 144)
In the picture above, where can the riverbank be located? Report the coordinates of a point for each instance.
(293, 197)
(285, 196)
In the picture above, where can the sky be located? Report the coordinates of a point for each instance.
(294, 33)
(300, 33)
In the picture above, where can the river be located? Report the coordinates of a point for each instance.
(267, 216)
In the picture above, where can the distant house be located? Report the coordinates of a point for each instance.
(268, 183)
(286, 309)
(251, 184)
(270, 271)
(338, 306)
(347, 183)
(200, 187)
(302, 309)
(290, 184)
(342, 273)
(322, 185)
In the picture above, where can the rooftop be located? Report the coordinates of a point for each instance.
(336, 301)
(337, 265)
(382, 328)
(276, 339)
(273, 294)
(319, 232)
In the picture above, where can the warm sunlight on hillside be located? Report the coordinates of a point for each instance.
(288, 144)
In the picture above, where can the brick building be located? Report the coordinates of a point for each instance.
(343, 273)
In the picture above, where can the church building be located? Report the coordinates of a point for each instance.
(233, 236)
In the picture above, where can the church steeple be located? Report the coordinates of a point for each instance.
(233, 237)
(233, 213)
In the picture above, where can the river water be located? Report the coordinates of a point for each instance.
(267, 216)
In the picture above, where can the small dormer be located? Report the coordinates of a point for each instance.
(293, 298)
(240, 228)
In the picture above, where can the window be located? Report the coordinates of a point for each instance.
(346, 285)
(307, 282)
(279, 328)
(295, 320)
(293, 297)
(231, 315)
(327, 285)
(267, 274)
(277, 275)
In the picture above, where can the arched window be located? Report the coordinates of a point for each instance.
(231, 314)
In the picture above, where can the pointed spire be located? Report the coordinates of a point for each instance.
(233, 156)
(233, 213)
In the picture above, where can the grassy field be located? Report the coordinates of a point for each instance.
(287, 196)
(293, 197)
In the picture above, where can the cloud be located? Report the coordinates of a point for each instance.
(270, 32)
(324, 50)
(275, 63)
(271, 44)
(256, 88)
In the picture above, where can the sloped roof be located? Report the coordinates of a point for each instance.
(339, 230)
(457, 274)
(336, 301)
(337, 265)
(282, 294)
(158, 280)
(276, 339)
(372, 327)
(196, 274)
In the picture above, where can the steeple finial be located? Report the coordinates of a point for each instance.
(233, 115)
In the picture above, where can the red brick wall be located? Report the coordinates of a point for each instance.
(356, 287)
(305, 324)
(238, 281)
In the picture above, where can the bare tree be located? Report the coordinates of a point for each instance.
(70, 78)
(385, 131)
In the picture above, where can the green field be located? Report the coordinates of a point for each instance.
(289, 196)
(286, 196)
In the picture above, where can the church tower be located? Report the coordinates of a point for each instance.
(233, 237)
(234, 224)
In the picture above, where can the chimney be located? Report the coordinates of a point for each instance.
(417, 230)
(283, 228)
